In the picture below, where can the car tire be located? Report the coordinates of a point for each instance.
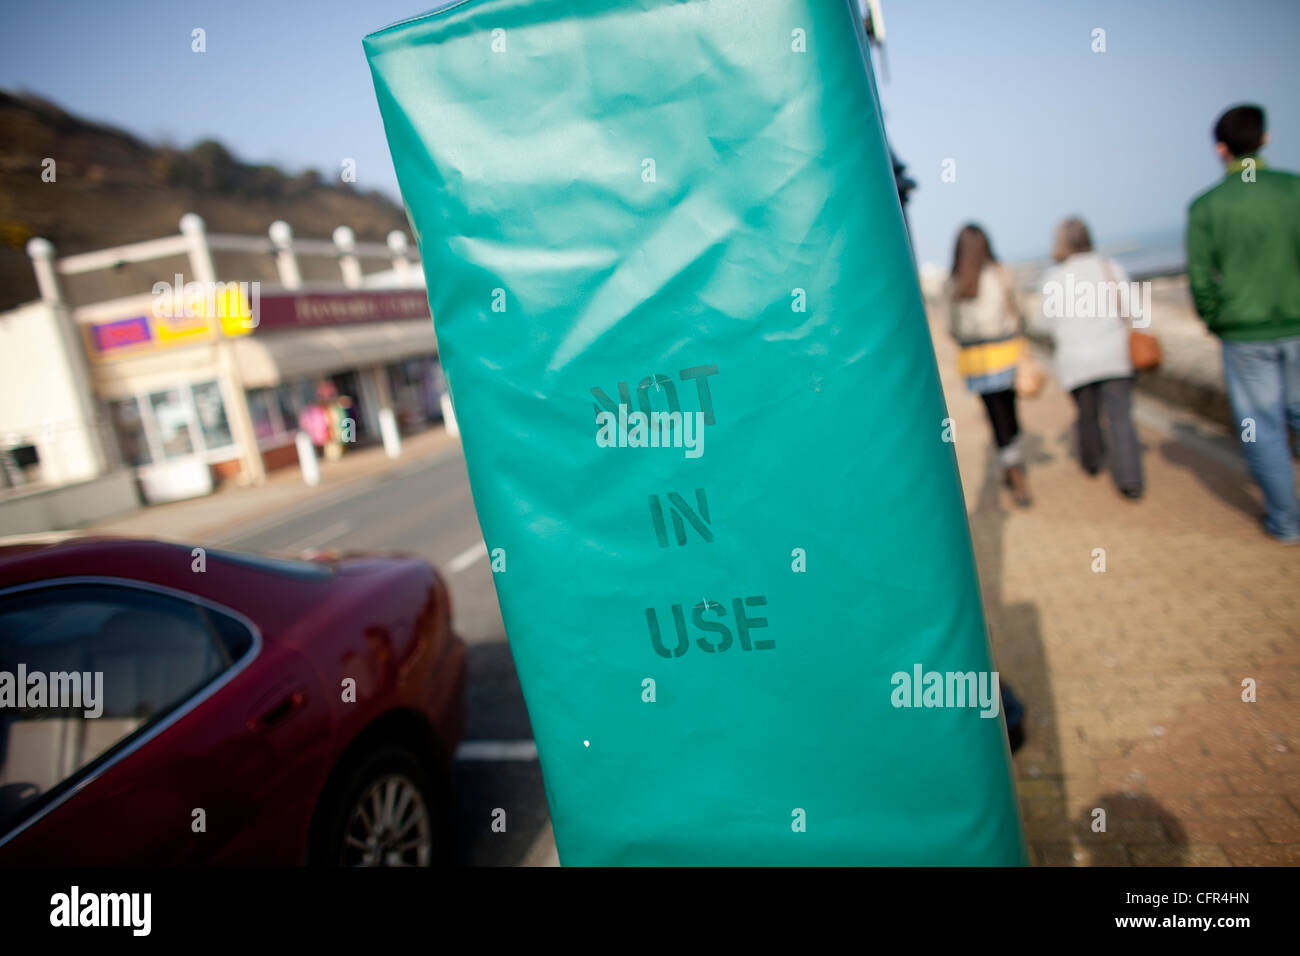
(389, 809)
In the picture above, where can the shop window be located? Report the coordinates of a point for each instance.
(288, 404)
(125, 414)
(19, 465)
(293, 397)
(413, 386)
(265, 412)
(172, 417)
(212, 415)
(433, 385)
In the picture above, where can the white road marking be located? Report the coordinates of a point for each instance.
(466, 558)
(520, 750)
(320, 537)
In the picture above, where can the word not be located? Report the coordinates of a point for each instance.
(61, 690)
(659, 382)
(103, 909)
(1098, 300)
(656, 430)
(723, 639)
(924, 688)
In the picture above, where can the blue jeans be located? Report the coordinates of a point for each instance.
(1264, 387)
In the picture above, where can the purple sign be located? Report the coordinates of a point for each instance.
(122, 333)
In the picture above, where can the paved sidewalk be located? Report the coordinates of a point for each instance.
(229, 512)
(1132, 677)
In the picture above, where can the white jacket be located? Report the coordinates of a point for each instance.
(1091, 340)
(987, 317)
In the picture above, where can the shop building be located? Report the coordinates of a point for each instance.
(201, 377)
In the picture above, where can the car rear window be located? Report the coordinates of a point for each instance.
(88, 667)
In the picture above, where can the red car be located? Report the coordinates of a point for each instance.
(166, 705)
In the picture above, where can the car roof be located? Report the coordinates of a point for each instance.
(278, 603)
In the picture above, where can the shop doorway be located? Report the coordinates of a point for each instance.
(348, 386)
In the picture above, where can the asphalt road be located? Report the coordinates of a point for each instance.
(426, 509)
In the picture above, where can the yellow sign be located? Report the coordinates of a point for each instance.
(174, 329)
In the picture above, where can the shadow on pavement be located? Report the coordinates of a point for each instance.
(1233, 487)
(1016, 639)
(1129, 818)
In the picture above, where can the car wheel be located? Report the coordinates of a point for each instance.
(388, 812)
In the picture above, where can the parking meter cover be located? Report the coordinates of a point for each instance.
(689, 206)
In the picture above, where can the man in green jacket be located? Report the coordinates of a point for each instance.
(1243, 264)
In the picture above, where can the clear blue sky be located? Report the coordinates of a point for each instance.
(1039, 126)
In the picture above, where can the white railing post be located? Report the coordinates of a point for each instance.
(285, 261)
(390, 434)
(196, 231)
(397, 244)
(448, 414)
(307, 458)
(41, 252)
(346, 243)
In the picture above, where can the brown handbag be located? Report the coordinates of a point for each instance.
(1143, 350)
(1029, 376)
(1143, 347)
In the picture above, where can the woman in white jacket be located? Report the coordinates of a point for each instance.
(985, 320)
(1085, 301)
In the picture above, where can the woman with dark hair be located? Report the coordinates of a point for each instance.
(987, 325)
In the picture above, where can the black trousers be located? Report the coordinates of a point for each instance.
(1001, 407)
(1114, 396)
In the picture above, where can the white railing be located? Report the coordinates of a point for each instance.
(118, 255)
(195, 242)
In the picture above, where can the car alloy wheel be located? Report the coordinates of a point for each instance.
(389, 825)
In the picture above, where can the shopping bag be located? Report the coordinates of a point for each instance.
(685, 344)
(1144, 350)
(1030, 376)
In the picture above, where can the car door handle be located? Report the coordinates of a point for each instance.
(279, 712)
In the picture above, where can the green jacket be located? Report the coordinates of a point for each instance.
(1243, 255)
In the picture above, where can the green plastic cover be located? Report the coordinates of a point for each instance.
(752, 633)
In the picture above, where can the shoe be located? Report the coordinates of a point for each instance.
(1015, 736)
(1019, 486)
(1279, 538)
(1133, 494)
